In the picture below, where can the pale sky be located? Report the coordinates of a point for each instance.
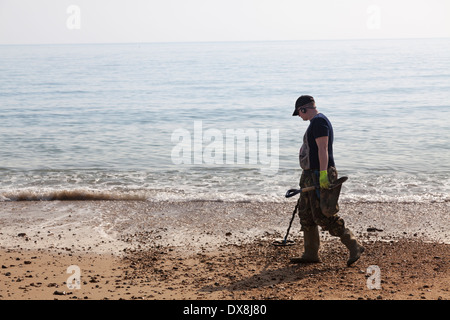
(116, 21)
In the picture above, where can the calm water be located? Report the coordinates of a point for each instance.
(112, 119)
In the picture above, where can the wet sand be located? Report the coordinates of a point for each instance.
(217, 251)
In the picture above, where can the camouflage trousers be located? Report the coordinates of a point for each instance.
(309, 209)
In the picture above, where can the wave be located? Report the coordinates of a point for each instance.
(154, 195)
(70, 195)
(176, 195)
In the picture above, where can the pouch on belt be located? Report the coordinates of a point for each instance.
(329, 198)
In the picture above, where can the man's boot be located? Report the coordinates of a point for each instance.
(349, 240)
(311, 244)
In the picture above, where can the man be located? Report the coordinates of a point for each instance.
(317, 162)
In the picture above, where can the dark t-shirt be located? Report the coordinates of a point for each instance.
(319, 126)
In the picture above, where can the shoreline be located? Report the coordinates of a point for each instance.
(216, 250)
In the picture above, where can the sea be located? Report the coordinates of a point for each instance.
(212, 121)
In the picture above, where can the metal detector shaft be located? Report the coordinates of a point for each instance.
(291, 193)
(290, 224)
(285, 241)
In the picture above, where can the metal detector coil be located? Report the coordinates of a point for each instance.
(283, 243)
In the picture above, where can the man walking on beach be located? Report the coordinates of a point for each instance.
(317, 161)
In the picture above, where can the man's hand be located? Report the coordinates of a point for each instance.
(323, 179)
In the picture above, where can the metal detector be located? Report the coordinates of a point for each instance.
(293, 192)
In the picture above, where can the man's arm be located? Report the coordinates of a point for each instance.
(322, 146)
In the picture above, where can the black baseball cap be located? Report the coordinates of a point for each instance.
(301, 101)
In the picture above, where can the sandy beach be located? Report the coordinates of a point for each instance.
(205, 250)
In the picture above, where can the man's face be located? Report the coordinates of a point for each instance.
(306, 111)
(303, 115)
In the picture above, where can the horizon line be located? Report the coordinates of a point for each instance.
(216, 41)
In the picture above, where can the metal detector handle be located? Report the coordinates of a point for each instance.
(293, 192)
